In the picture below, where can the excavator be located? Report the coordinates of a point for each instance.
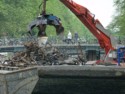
(104, 38)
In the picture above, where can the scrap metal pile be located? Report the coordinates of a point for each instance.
(45, 55)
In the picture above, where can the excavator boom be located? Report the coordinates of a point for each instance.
(94, 25)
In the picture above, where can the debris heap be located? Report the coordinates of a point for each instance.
(45, 55)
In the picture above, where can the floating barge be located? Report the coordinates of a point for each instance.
(75, 79)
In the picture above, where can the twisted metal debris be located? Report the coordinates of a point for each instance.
(45, 55)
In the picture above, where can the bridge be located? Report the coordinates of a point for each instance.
(68, 47)
(92, 51)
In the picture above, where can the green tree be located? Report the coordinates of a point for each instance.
(15, 15)
(117, 25)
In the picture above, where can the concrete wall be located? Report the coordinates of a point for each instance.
(18, 82)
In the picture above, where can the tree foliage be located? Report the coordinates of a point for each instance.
(117, 25)
(15, 15)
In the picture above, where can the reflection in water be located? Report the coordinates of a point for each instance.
(80, 86)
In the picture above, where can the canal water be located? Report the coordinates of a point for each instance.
(67, 85)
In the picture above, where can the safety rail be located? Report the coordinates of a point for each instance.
(51, 39)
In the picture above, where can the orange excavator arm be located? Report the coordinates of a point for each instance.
(94, 25)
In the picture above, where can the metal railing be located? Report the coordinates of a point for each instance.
(5, 41)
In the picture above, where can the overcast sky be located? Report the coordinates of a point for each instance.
(103, 9)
